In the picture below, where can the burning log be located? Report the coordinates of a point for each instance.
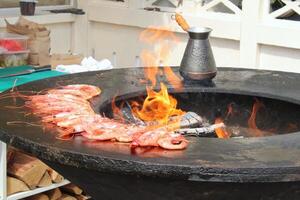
(128, 116)
(200, 132)
(191, 120)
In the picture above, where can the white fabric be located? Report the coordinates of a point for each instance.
(87, 64)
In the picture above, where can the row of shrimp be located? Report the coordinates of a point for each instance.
(69, 109)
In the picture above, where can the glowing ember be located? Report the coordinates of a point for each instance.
(230, 111)
(221, 132)
(252, 120)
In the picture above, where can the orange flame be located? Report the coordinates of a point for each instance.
(150, 70)
(163, 40)
(221, 132)
(173, 79)
(158, 106)
(230, 110)
(252, 120)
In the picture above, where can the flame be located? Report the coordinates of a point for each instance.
(150, 71)
(252, 120)
(158, 106)
(230, 110)
(163, 40)
(173, 79)
(221, 132)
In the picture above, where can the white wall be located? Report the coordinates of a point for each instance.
(279, 58)
(251, 38)
(61, 37)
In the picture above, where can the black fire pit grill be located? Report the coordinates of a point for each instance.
(244, 168)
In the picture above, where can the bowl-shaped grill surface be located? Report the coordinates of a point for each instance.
(266, 160)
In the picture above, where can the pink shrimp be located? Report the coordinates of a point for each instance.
(95, 128)
(173, 141)
(57, 97)
(69, 110)
(101, 128)
(77, 93)
(129, 133)
(61, 117)
(162, 138)
(73, 122)
(149, 138)
(100, 134)
(89, 90)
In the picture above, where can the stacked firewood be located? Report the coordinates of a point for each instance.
(26, 173)
(68, 192)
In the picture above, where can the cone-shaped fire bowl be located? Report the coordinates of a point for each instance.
(260, 161)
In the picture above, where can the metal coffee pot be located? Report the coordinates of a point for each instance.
(198, 62)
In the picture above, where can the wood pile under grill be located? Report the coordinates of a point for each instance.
(26, 173)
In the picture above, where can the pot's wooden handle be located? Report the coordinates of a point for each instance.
(182, 22)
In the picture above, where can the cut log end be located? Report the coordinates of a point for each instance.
(38, 197)
(72, 189)
(15, 185)
(54, 194)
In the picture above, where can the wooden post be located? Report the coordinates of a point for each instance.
(249, 47)
(80, 30)
(3, 171)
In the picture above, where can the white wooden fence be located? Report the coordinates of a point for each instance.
(251, 37)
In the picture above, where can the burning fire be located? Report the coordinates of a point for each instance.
(158, 106)
(252, 120)
(221, 132)
(163, 41)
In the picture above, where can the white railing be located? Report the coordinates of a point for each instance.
(290, 6)
(252, 37)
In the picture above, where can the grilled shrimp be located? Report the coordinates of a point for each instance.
(89, 90)
(69, 110)
(149, 138)
(173, 141)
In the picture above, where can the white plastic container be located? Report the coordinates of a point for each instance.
(13, 49)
